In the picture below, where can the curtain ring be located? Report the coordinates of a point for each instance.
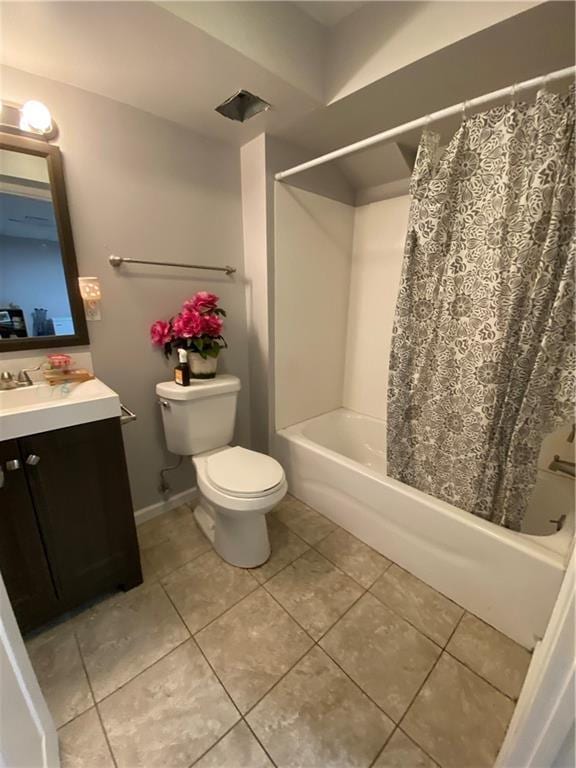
(464, 110)
(513, 99)
(427, 121)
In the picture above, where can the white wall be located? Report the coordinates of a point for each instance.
(313, 246)
(256, 223)
(379, 235)
(261, 158)
(566, 757)
(143, 187)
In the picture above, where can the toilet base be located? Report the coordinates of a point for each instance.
(240, 539)
(205, 521)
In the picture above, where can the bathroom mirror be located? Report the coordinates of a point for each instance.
(40, 302)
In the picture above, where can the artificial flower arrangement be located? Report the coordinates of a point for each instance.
(196, 328)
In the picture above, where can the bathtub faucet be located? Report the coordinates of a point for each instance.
(559, 465)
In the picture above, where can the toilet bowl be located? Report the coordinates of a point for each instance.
(237, 488)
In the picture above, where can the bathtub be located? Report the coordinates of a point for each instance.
(336, 463)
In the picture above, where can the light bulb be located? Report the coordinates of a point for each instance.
(35, 116)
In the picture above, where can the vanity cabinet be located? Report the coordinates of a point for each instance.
(67, 531)
(23, 560)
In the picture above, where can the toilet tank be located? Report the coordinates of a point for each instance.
(200, 417)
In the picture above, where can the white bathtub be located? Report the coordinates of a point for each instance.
(336, 463)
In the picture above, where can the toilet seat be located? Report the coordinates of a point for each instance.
(243, 474)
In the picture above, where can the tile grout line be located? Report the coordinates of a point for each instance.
(142, 549)
(197, 645)
(145, 669)
(479, 676)
(444, 648)
(242, 718)
(220, 615)
(243, 715)
(335, 661)
(263, 585)
(390, 564)
(192, 637)
(255, 735)
(98, 715)
(384, 746)
(409, 707)
(344, 672)
(218, 740)
(408, 621)
(316, 643)
(369, 589)
(366, 590)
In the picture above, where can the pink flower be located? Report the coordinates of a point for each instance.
(188, 323)
(160, 333)
(212, 325)
(202, 302)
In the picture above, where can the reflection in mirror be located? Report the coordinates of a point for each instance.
(33, 294)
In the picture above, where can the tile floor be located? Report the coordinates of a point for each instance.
(328, 656)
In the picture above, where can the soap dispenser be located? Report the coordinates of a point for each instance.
(182, 370)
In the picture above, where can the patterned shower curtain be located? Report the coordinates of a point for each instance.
(482, 360)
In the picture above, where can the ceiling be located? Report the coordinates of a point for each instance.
(329, 13)
(143, 55)
(537, 41)
(24, 216)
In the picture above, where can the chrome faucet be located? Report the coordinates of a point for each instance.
(7, 380)
(23, 379)
(560, 465)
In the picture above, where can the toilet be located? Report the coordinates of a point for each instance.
(237, 486)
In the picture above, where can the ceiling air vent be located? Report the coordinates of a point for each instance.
(242, 106)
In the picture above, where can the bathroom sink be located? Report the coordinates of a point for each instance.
(42, 408)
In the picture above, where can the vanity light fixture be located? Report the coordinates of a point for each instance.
(35, 117)
(91, 295)
(32, 118)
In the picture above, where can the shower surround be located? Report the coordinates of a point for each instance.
(336, 463)
(331, 420)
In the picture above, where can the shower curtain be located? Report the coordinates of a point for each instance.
(482, 359)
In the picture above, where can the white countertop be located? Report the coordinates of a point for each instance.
(42, 408)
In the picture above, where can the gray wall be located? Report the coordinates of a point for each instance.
(143, 187)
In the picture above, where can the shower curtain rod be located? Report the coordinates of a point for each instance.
(423, 121)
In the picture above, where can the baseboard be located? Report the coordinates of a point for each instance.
(161, 507)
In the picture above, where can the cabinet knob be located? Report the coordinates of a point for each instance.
(32, 460)
(12, 465)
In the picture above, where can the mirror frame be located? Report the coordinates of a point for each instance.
(52, 153)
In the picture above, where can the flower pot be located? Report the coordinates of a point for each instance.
(200, 367)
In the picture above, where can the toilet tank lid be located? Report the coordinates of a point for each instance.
(198, 388)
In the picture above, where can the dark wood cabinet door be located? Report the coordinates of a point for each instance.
(82, 498)
(23, 559)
